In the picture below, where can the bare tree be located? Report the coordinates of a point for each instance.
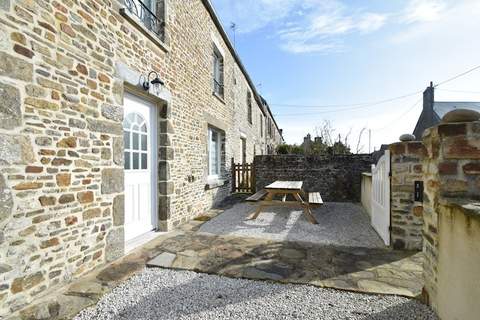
(345, 142)
(359, 148)
(325, 131)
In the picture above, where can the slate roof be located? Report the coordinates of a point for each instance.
(442, 107)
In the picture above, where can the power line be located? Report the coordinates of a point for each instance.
(347, 109)
(460, 91)
(363, 104)
(401, 116)
(355, 106)
(368, 104)
(457, 76)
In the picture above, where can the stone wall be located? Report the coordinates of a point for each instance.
(452, 192)
(337, 178)
(406, 214)
(64, 68)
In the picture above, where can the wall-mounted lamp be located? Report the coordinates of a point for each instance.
(155, 82)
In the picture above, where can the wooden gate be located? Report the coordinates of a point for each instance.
(243, 177)
(381, 197)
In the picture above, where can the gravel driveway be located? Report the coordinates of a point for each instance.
(339, 223)
(169, 294)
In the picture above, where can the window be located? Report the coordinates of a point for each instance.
(151, 13)
(261, 125)
(269, 127)
(217, 72)
(135, 137)
(214, 152)
(249, 106)
(244, 149)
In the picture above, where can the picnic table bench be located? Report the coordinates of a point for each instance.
(285, 188)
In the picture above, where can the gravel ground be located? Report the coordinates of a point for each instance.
(339, 223)
(171, 294)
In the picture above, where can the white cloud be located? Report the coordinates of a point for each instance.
(302, 25)
(322, 29)
(305, 47)
(371, 22)
(424, 11)
(448, 29)
(252, 15)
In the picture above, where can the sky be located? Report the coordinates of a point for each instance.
(339, 60)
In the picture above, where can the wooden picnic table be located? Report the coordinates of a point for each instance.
(285, 188)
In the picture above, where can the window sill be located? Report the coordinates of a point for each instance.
(219, 97)
(215, 183)
(139, 25)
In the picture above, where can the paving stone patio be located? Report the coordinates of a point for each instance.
(361, 269)
(371, 270)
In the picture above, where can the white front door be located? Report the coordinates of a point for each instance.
(139, 134)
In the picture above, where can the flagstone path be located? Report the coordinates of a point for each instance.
(370, 270)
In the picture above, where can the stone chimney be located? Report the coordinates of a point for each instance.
(307, 139)
(428, 99)
(307, 143)
(427, 119)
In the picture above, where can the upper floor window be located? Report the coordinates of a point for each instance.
(261, 125)
(249, 106)
(269, 127)
(217, 72)
(151, 14)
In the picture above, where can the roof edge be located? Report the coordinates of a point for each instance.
(225, 38)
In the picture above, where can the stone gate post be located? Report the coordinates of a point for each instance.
(451, 232)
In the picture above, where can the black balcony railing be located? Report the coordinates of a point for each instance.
(147, 17)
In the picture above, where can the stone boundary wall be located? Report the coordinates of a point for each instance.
(406, 214)
(451, 196)
(337, 177)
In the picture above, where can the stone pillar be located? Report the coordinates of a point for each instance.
(406, 214)
(452, 180)
(165, 159)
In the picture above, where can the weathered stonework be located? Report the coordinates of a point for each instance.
(337, 178)
(6, 200)
(10, 111)
(112, 181)
(15, 149)
(452, 185)
(406, 214)
(64, 69)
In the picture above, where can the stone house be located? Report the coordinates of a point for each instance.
(95, 148)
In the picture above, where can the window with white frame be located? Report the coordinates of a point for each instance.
(135, 138)
(214, 152)
(217, 71)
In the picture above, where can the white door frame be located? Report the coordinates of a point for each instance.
(381, 197)
(153, 155)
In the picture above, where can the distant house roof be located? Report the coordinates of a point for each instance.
(442, 107)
